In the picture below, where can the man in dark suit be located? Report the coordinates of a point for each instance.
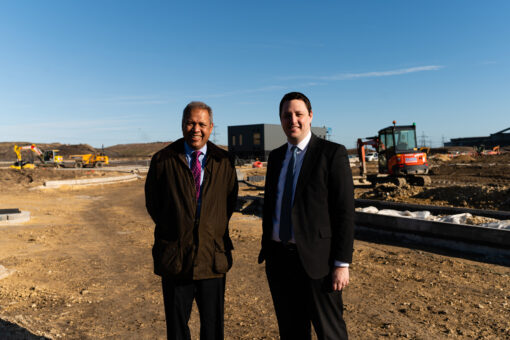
(190, 193)
(308, 227)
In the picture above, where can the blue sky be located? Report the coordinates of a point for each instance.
(112, 72)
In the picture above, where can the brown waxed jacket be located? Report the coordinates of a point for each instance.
(187, 247)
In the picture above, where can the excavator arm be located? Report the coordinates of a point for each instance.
(372, 141)
(19, 160)
(17, 150)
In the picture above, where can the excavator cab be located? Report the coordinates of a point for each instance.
(51, 156)
(398, 152)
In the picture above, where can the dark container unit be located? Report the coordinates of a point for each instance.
(257, 140)
(501, 138)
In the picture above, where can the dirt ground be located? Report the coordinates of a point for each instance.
(83, 270)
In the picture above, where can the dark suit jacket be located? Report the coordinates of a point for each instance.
(323, 209)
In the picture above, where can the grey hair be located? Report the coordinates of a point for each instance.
(196, 105)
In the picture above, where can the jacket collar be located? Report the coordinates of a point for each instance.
(213, 151)
(303, 144)
(280, 151)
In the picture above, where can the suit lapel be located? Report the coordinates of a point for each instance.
(311, 155)
(276, 167)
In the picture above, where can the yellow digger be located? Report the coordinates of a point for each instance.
(47, 158)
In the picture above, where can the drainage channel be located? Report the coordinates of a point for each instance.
(489, 243)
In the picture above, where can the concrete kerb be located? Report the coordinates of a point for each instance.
(473, 234)
(91, 181)
(15, 218)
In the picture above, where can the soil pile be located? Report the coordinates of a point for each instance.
(488, 172)
(136, 150)
(145, 150)
(7, 150)
(79, 149)
(440, 158)
(465, 158)
(142, 150)
(484, 197)
(500, 159)
(475, 197)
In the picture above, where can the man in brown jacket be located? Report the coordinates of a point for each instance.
(190, 193)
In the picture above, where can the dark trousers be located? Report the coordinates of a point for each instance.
(178, 297)
(299, 300)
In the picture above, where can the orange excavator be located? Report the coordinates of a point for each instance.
(400, 160)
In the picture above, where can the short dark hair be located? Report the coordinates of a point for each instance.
(196, 105)
(296, 95)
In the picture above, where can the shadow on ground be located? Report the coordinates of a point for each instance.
(11, 331)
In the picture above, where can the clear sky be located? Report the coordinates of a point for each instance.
(117, 71)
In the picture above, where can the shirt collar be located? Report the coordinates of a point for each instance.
(188, 150)
(303, 144)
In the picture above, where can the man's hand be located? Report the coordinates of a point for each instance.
(340, 278)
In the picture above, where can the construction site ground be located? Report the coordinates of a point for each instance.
(463, 181)
(83, 268)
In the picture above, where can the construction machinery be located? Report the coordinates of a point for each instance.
(400, 161)
(47, 158)
(482, 151)
(90, 160)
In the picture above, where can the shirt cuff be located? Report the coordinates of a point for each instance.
(341, 264)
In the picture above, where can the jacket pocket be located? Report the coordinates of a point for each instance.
(167, 257)
(222, 258)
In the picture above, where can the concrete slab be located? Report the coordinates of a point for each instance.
(91, 181)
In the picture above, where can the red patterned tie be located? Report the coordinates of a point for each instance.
(196, 170)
